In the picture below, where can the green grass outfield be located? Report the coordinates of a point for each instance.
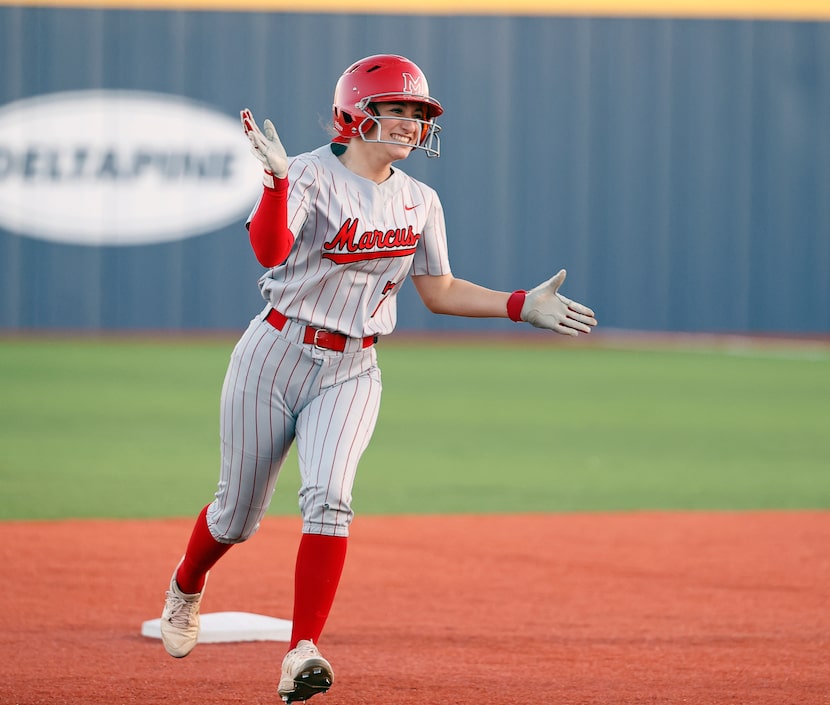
(128, 427)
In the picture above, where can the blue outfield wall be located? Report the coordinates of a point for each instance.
(679, 169)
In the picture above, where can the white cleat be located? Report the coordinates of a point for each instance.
(180, 619)
(304, 673)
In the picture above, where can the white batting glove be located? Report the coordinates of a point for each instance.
(266, 147)
(545, 307)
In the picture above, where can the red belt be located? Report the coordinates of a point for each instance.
(321, 338)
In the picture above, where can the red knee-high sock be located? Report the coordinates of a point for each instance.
(319, 565)
(203, 551)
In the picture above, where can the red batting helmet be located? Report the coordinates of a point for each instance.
(383, 78)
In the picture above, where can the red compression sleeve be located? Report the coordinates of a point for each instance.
(268, 230)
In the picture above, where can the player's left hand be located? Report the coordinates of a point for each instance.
(545, 307)
(266, 147)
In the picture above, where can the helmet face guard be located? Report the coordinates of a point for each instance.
(383, 78)
(428, 139)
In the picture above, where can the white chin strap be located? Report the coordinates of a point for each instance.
(431, 143)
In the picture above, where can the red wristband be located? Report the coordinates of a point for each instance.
(515, 304)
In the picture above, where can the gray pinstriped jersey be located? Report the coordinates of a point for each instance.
(356, 243)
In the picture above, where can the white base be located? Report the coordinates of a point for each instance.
(223, 627)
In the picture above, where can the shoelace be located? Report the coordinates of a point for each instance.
(303, 654)
(181, 611)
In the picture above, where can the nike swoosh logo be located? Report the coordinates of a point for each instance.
(409, 208)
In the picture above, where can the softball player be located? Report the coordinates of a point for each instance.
(339, 230)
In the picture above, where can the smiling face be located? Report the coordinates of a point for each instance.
(390, 131)
(400, 126)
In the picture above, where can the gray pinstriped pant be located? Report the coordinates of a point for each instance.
(279, 390)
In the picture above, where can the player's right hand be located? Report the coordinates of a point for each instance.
(266, 146)
(545, 307)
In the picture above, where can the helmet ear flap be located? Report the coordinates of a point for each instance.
(348, 118)
(343, 116)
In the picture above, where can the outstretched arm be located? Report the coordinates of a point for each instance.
(542, 307)
(271, 239)
(459, 297)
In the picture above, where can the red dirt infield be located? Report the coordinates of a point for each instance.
(582, 609)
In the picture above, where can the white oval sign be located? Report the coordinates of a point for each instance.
(122, 168)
